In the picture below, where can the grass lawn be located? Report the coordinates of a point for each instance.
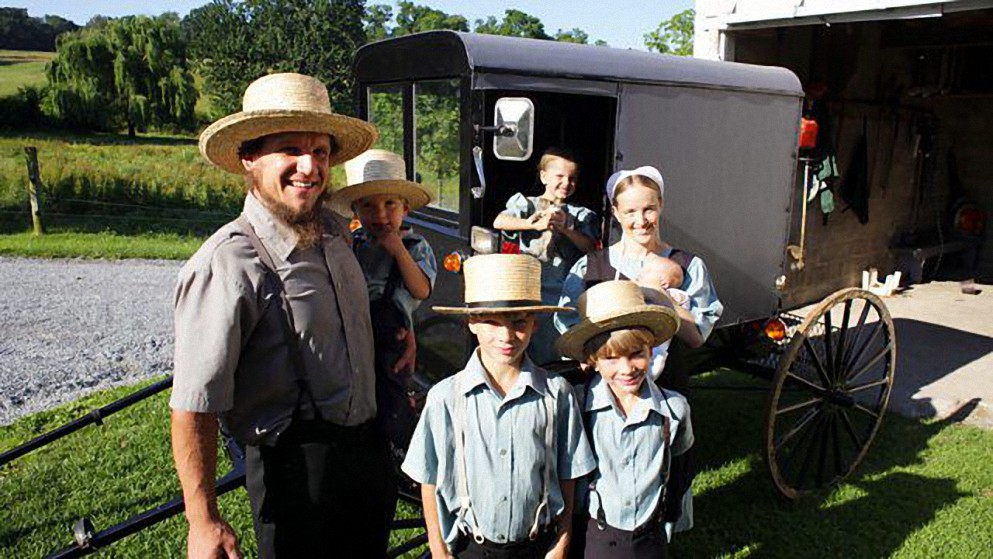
(19, 68)
(925, 490)
(106, 244)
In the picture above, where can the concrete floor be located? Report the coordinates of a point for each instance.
(944, 352)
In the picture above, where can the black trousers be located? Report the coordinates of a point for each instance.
(467, 548)
(322, 491)
(590, 542)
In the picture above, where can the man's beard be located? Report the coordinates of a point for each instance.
(307, 225)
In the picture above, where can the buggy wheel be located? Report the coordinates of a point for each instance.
(830, 392)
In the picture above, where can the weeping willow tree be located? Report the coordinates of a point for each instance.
(131, 72)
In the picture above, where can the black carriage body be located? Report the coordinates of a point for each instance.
(723, 134)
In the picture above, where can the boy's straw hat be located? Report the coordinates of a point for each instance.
(613, 305)
(377, 171)
(284, 103)
(501, 283)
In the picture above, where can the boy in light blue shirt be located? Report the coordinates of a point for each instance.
(634, 426)
(500, 444)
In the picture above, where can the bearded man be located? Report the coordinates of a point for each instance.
(274, 341)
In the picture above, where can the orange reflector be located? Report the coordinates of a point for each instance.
(354, 224)
(808, 133)
(775, 330)
(453, 262)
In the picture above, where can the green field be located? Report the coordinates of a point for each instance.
(103, 186)
(925, 489)
(22, 68)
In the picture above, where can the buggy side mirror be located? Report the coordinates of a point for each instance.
(513, 121)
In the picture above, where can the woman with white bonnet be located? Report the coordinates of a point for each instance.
(637, 198)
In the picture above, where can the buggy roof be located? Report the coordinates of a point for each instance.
(436, 54)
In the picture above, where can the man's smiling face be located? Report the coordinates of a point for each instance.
(289, 171)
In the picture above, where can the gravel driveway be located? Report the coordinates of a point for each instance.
(68, 327)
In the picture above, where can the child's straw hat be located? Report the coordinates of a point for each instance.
(501, 283)
(284, 103)
(613, 305)
(377, 171)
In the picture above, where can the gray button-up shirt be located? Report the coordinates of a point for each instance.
(231, 355)
(504, 447)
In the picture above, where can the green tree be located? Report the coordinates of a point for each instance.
(574, 35)
(233, 43)
(130, 72)
(674, 35)
(19, 31)
(410, 18)
(376, 22)
(515, 23)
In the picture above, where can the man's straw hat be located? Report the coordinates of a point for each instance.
(377, 171)
(501, 283)
(284, 103)
(613, 305)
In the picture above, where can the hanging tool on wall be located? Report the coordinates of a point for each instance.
(855, 186)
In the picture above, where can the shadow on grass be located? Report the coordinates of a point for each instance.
(738, 510)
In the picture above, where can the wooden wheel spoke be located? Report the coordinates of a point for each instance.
(828, 346)
(866, 410)
(799, 406)
(821, 371)
(850, 429)
(811, 387)
(800, 445)
(840, 357)
(868, 385)
(859, 330)
(822, 451)
(877, 329)
(870, 364)
(839, 467)
(800, 425)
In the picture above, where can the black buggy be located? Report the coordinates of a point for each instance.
(471, 114)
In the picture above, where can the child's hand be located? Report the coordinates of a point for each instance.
(542, 221)
(558, 219)
(408, 360)
(391, 241)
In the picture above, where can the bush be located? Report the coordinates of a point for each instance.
(22, 109)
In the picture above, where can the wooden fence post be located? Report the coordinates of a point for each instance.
(35, 188)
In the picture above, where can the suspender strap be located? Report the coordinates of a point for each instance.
(465, 520)
(659, 512)
(289, 333)
(543, 516)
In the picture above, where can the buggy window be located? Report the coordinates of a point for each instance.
(436, 140)
(386, 112)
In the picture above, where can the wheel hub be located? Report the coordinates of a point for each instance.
(840, 398)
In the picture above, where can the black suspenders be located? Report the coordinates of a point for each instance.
(601, 516)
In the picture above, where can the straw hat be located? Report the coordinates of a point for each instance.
(377, 171)
(647, 171)
(613, 305)
(283, 103)
(501, 283)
